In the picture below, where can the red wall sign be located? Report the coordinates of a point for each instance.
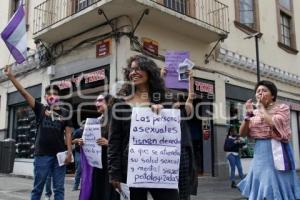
(150, 46)
(89, 77)
(204, 87)
(103, 48)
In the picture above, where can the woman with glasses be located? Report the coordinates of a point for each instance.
(101, 188)
(144, 88)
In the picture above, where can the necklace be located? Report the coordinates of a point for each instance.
(270, 106)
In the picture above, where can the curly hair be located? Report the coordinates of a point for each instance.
(156, 83)
(270, 85)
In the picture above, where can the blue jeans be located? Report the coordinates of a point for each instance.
(43, 166)
(235, 161)
(48, 192)
(78, 170)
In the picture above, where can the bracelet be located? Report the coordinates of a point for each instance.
(248, 116)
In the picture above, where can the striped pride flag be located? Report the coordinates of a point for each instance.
(14, 35)
(282, 156)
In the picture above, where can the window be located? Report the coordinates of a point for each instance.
(235, 112)
(286, 29)
(14, 6)
(186, 7)
(246, 15)
(82, 4)
(286, 4)
(23, 129)
(177, 5)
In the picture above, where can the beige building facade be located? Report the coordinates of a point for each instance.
(82, 45)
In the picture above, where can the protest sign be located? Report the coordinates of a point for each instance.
(61, 157)
(183, 74)
(172, 61)
(154, 149)
(92, 151)
(183, 69)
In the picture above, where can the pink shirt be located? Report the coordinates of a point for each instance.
(281, 130)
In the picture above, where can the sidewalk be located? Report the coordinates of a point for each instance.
(210, 188)
(16, 188)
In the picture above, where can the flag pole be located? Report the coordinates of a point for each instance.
(9, 56)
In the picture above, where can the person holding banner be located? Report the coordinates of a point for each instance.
(272, 172)
(188, 180)
(145, 87)
(102, 189)
(54, 132)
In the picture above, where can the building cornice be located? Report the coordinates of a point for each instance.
(248, 64)
(31, 63)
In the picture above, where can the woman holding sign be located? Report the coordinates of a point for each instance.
(102, 189)
(145, 88)
(188, 180)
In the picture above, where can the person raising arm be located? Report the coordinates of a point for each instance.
(54, 128)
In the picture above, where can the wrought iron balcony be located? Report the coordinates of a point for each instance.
(51, 12)
(211, 12)
(210, 15)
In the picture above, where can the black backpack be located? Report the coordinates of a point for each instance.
(229, 144)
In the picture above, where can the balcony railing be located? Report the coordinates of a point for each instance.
(50, 12)
(210, 12)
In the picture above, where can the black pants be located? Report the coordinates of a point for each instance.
(157, 194)
(102, 189)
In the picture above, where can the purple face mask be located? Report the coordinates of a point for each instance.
(52, 100)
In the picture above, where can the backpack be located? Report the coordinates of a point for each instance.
(229, 144)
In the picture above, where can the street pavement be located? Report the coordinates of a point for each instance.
(210, 188)
(17, 188)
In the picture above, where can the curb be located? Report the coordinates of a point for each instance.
(68, 179)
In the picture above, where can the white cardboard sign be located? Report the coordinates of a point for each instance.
(92, 151)
(154, 149)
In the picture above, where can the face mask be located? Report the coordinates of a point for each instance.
(52, 100)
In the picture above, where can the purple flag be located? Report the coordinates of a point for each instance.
(86, 177)
(172, 61)
(14, 35)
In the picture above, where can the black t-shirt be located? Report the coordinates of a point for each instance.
(50, 135)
